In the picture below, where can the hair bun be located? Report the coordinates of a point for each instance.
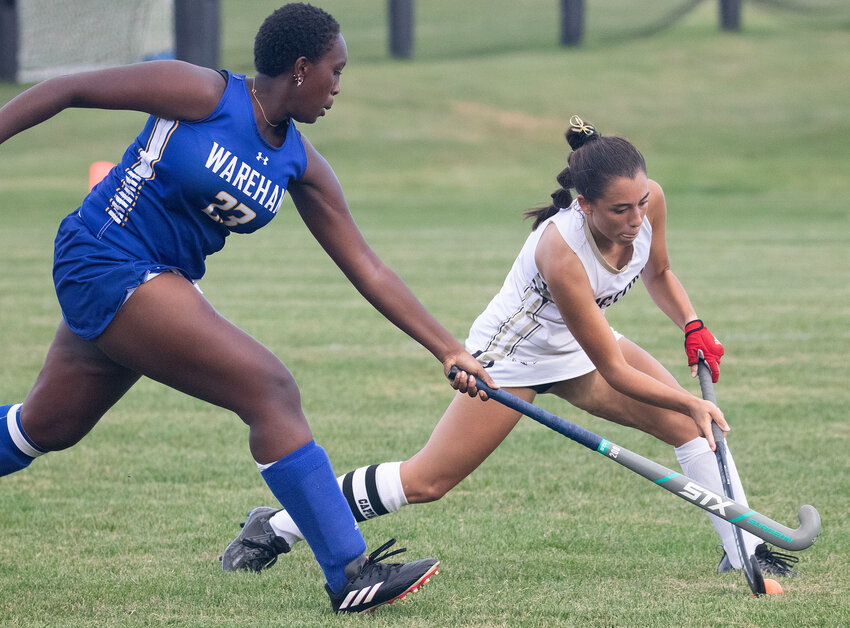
(580, 133)
(562, 198)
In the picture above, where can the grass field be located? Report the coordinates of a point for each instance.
(748, 133)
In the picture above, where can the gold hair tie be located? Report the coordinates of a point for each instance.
(579, 125)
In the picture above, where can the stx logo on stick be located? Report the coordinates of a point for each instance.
(703, 497)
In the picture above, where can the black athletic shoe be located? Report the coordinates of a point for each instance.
(775, 563)
(771, 563)
(372, 584)
(257, 546)
(725, 566)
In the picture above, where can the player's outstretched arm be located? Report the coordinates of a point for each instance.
(320, 202)
(169, 89)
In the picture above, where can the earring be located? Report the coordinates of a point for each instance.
(298, 80)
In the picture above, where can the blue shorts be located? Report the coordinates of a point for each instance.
(92, 278)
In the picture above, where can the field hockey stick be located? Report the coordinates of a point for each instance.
(749, 564)
(678, 484)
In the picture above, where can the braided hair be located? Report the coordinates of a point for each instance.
(593, 162)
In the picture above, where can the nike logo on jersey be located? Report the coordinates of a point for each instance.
(360, 596)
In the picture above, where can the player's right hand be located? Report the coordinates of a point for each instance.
(704, 413)
(467, 369)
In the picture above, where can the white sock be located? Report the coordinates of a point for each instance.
(699, 463)
(370, 491)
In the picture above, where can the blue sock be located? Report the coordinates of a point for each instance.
(16, 448)
(305, 484)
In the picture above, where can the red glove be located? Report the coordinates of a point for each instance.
(698, 338)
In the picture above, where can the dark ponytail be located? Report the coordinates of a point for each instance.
(595, 160)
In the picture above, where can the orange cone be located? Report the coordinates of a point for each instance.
(97, 171)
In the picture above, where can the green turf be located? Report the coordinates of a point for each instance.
(748, 134)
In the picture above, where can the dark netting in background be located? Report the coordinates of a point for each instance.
(446, 29)
(461, 29)
(832, 13)
(813, 9)
(611, 20)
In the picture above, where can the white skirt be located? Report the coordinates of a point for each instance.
(532, 370)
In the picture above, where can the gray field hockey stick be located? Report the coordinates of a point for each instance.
(678, 484)
(749, 564)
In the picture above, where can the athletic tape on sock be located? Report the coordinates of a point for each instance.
(373, 490)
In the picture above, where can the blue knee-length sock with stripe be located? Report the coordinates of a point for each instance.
(17, 450)
(304, 483)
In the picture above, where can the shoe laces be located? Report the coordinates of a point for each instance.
(268, 549)
(777, 562)
(376, 556)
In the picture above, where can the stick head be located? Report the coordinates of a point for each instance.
(755, 579)
(808, 531)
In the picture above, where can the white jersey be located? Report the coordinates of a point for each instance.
(521, 337)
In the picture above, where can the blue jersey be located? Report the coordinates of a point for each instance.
(181, 188)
